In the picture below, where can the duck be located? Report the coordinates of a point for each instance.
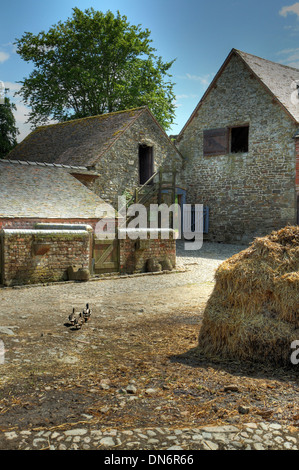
(86, 313)
(79, 321)
(72, 317)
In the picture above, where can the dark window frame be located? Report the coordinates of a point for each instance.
(234, 145)
(218, 142)
(145, 163)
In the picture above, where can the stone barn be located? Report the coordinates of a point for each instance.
(47, 224)
(113, 154)
(241, 149)
(51, 223)
(34, 193)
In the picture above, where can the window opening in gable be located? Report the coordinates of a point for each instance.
(226, 140)
(239, 139)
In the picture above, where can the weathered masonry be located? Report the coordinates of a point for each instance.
(61, 252)
(38, 256)
(241, 149)
(111, 154)
(145, 252)
(53, 179)
(237, 155)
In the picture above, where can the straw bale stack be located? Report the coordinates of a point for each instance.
(253, 312)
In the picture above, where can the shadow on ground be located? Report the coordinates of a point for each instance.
(196, 359)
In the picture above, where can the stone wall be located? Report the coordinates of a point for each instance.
(248, 194)
(42, 255)
(118, 169)
(30, 222)
(35, 256)
(297, 166)
(134, 254)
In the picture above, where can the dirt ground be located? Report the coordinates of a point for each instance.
(143, 331)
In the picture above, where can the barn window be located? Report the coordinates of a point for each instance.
(239, 139)
(225, 140)
(215, 142)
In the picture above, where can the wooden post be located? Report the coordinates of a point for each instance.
(173, 192)
(160, 195)
(160, 186)
(173, 185)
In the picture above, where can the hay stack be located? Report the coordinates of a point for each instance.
(253, 312)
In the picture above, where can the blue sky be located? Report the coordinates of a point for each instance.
(199, 34)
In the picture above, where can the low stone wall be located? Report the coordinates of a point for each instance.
(30, 223)
(34, 256)
(46, 255)
(135, 253)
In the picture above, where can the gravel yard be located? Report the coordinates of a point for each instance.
(132, 364)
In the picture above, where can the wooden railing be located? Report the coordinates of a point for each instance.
(142, 194)
(135, 198)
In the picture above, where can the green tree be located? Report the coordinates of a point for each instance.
(8, 130)
(91, 64)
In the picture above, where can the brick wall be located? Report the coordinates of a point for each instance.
(34, 256)
(135, 253)
(252, 193)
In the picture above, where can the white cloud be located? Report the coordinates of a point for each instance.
(3, 56)
(186, 97)
(12, 86)
(287, 51)
(191, 96)
(21, 116)
(22, 111)
(292, 57)
(204, 80)
(290, 9)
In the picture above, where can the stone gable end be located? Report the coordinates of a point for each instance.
(251, 193)
(118, 168)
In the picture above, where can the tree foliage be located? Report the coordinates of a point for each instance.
(8, 130)
(91, 64)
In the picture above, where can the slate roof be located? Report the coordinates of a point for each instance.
(276, 78)
(79, 142)
(46, 192)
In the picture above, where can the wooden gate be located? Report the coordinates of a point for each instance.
(105, 256)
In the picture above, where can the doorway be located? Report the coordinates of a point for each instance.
(146, 163)
(105, 256)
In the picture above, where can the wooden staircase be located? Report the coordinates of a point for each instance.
(152, 189)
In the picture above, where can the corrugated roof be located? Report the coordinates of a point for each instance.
(79, 142)
(46, 192)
